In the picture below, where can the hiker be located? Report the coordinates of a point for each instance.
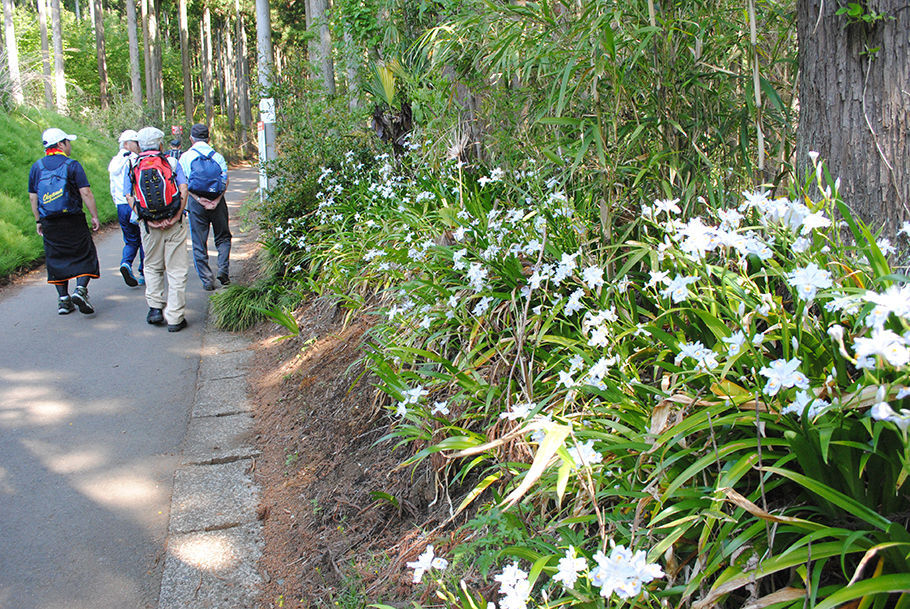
(207, 179)
(155, 187)
(119, 166)
(57, 188)
(174, 152)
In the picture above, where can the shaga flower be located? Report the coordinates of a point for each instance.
(809, 280)
(804, 399)
(782, 373)
(514, 587)
(593, 277)
(882, 411)
(623, 572)
(569, 567)
(888, 344)
(584, 454)
(678, 288)
(518, 411)
(426, 562)
(734, 342)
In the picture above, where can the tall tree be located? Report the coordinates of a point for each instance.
(12, 52)
(229, 81)
(78, 13)
(157, 90)
(219, 66)
(98, 16)
(146, 53)
(854, 95)
(265, 63)
(243, 73)
(206, 39)
(133, 35)
(59, 76)
(323, 58)
(45, 55)
(185, 62)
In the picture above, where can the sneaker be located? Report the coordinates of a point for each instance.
(80, 299)
(65, 305)
(140, 280)
(155, 317)
(208, 287)
(224, 279)
(128, 276)
(176, 327)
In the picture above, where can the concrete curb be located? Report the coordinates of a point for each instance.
(214, 536)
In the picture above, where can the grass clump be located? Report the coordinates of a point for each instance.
(239, 307)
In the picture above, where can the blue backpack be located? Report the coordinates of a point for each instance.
(205, 176)
(54, 195)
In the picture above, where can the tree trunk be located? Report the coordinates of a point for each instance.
(206, 37)
(157, 101)
(323, 59)
(146, 52)
(12, 53)
(45, 55)
(59, 76)
(351, 67)
(264, 54)
(91, 14)
(98, 14)
(185, 62)
(219, 64)
(78, 14)
(133, 35)
(855, 104)
(229, 80)
(243, 72)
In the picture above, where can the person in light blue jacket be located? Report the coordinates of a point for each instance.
(207, 178)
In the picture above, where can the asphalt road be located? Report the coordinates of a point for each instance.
(93, 410)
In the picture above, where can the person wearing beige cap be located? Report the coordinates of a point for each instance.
(57, 189)
(119, 166)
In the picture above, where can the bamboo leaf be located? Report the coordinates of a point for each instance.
(556, 435)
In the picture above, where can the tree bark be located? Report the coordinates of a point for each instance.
(322, 47)
(98, 15)
(229, 80)
(157, 101)
(206, 36)
(12, 53)
(133, 35)
(351, 67)
(59, 75)
(219, 65)
(185, 62)
(45, 55)
(146, 52)
(855, 105)
(243, 73)
(78, 13)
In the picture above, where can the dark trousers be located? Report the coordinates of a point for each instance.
(132, 241)
(200, 220)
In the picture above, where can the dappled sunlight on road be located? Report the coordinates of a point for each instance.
(205, 551)
(121, 491)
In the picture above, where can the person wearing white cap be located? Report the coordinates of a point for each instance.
(119, 166)
(153, 180)
(57, 189)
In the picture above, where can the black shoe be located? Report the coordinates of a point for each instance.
(65, 305)
(80, 299)
(224, 279)
(176, 327)
(155, 317)
(208, 287)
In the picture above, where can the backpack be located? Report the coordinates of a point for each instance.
(54, 195)
(155, 187)
(205, 176)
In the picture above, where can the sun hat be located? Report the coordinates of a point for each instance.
(175, 142)
(53, 136)
(199, 132)
(149, 138)
(130, 135)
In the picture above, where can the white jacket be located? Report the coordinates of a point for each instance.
(117, 168)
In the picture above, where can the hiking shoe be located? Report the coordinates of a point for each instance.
(128, 276)
(65, 305)
(224, 279)
(155, 316)
(80, 299)
(208, 287)
(176, 327)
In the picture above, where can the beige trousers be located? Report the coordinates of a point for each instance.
(166, 256)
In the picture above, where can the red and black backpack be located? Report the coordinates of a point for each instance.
(155, 187)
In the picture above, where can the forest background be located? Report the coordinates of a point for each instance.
(637, 272)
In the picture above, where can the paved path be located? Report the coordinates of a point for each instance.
(93, 414)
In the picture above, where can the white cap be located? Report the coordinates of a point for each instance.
(129, 135)
(150, 138)
(55, 136)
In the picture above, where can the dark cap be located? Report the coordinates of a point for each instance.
(199, 132)
(175, 142)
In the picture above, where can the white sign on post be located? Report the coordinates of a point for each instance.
(263, 158)
(267, 109)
